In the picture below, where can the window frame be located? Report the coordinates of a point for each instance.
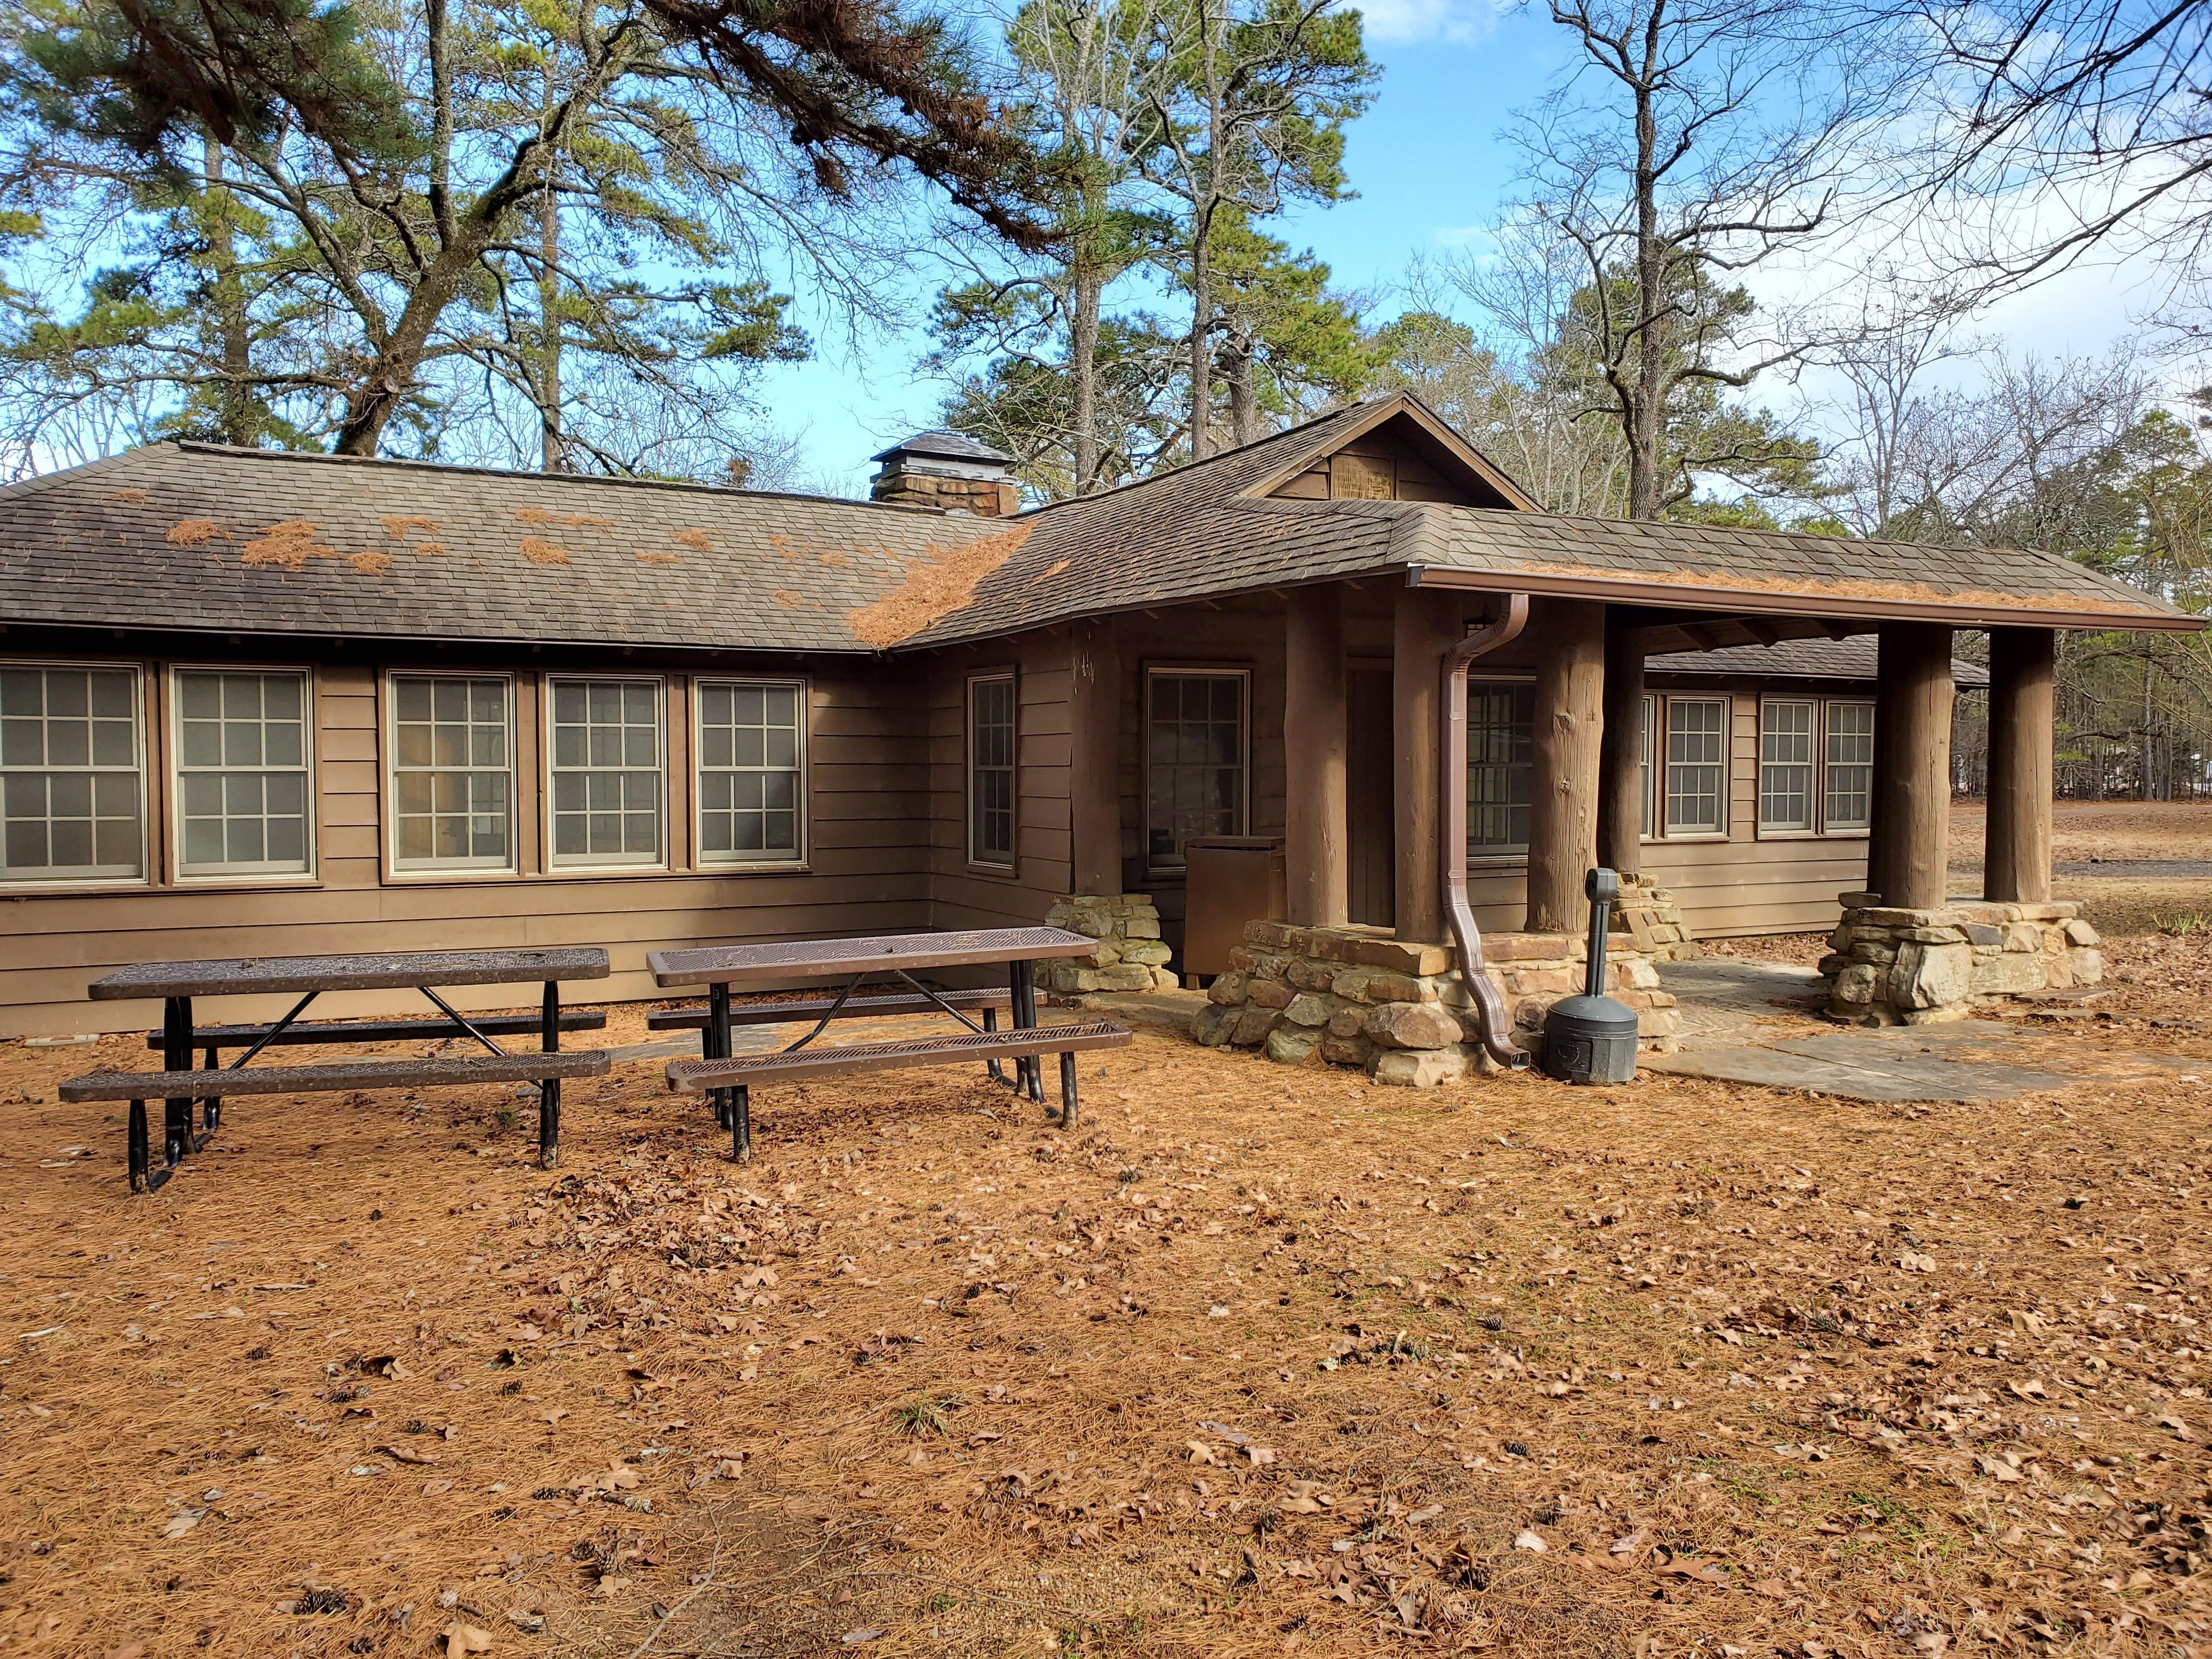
(574, 864)
(1011, 677)
(1154, 672)
(1857, 832)
(1662, 818)
(143, 761)
(172, 770)
(1815, 765)
(388, 737)
(1497, 861)
(722, 864)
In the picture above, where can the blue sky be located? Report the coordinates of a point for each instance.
(1430, 170)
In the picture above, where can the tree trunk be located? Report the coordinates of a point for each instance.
(1315, 853)
(1083, 372)
(234, 419)
(1908, 850)
(553, 457)
(1201, 349)
(1648, 404)
(1564, 785)
(2016, 860)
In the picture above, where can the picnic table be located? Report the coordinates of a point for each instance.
(726, 1078)
(176, 983)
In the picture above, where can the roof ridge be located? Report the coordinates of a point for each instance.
(1120, 491)
(245, 451)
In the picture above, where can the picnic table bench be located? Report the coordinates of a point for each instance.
(728, 1078)
(176, 983)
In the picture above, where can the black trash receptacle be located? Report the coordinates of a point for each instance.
(1591, 1038)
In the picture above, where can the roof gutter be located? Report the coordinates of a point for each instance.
(1685, 596)
(1488, 1006)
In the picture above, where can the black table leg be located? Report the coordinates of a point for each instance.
(1027, 1067)
(714, 1044)
(211, 1105)
(741, 1124)
(991, 1024)
(139, 1182)
(177, 1056)
(1067, 1090)
(548, 1089)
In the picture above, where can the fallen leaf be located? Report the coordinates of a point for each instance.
(853, 1639)
(408, 1454)
(461, 1638)
(1703, 1571)
(2031, 1390)
(2179, 1428)
(1529, 1540)
(1913, 1262)
(1997, 1469)
(180, 1524)
(1261, 1454)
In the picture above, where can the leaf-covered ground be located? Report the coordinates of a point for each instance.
(1254, 1360)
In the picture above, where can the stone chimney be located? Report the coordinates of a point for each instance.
(946, 471)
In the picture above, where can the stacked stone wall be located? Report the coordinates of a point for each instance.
(1897, 967)
(1653, 917)
(1355, 996)
(1131, 955)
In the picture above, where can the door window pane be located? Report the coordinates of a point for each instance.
(1785, 765)
(242, 782)
(606, 774)
(70, 787)
(452, 782)
(1500, 726)
(991, 738)
(1851, 766)
(1194, 761)
(1697, 765)
(751, 741)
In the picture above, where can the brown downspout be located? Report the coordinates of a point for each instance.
(1488, 1006)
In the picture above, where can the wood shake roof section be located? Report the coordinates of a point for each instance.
(200, 536)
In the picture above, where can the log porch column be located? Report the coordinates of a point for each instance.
(1620, 754)
(1564, 785)
(1095, 786)
(2023, 717)
(1316, 865)
(1429, 622)
(1908, 848)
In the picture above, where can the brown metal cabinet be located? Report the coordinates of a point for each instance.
(1228, 880)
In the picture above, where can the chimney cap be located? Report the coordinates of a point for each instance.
(941, 444)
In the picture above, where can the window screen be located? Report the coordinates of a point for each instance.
(991, 737)
(1786, 765)
(1851, 766)
(1500, 724)
(453, 775)
(1697, 765)
(1194, 761)
(70, 789)
(606, 772)
(242, 772)
(750, 742)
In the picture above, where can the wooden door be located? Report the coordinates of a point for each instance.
(1370, 811)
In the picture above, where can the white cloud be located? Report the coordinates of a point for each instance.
(1403, 22)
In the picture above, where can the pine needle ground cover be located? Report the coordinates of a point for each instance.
(1257, 1361)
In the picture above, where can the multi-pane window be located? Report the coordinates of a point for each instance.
(1500, 725)
(1851, 766)
(1697, 765)
(749, 765)
(1786, 769)
(991, 737)
(242, 773)
(1194, 760)
(452, 773)
(70, 791)
(606, 772)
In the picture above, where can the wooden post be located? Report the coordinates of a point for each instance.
(1095, 780)
(2023, 715)
(1429, 622)
(1319, 876)
(1620, 754)
(1563, 789)
(1909, 846)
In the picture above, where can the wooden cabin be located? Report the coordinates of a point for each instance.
(255, 702)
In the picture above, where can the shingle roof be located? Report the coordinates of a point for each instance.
(954, 446)
(1855, 658)
(189, 535)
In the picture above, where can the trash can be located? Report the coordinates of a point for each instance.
(1228, 880)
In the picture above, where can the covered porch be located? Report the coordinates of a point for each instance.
(1389, 720)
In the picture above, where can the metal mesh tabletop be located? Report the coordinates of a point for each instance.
(376, 971)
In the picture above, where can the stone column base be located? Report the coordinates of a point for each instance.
(1897, 967)
(1653, 915)
(1355, 996)
(1131, 955)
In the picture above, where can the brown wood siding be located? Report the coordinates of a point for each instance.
(964, 895)
(869, 866)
